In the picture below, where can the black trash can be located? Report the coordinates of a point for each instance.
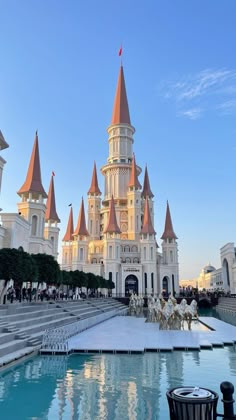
(192, 403)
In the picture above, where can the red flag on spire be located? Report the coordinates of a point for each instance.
(120, 51)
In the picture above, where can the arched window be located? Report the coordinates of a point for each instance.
(34, 226)
(145, 283)
(53, 243)
(151, 253)
(81, 254)
(144, 253)
(152, 281)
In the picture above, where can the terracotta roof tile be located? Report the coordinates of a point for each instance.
(168, 231)
(120, 109)
(147, 220)
(112, 226)
(81, 229)
(51, 213)
(94, 189)
(70, 228)
(134, 182)
(146, 186)
(33, 182)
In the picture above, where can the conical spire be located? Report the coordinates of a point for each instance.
(120, 109)
(147, 221)
(33, 182)
(134, 182)
(146, 186)
(168, 232)
(51, 213)
(112, 226)
(70, 228)
(81, 229)
(94, 189)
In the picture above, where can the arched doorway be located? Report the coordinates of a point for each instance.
(131, 285)
(225, 266)
(165, 285)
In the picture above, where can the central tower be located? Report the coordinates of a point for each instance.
(117, 171)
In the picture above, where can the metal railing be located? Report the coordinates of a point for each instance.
(56, 340)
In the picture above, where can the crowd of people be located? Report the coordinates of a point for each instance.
(29, 294)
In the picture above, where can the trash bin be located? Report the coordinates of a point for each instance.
(192, 403)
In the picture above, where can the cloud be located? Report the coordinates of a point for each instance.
(192, 114)
(228, 107)
(202, 90)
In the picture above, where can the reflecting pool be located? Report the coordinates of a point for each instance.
(107, 386)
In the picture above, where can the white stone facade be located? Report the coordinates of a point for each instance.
(130, 259)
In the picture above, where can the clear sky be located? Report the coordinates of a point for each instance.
(58, 72)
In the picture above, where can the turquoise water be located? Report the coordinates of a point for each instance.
(110, 387)
(107, 386)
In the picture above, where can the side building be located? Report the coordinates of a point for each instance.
(118, 241)
(35, 226)
(223, 278)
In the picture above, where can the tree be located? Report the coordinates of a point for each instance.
(17, 265)
(93, 282)
(79, 278)
(48, 268)
(66, 277)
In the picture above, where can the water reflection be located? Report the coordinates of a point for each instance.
(108, 386)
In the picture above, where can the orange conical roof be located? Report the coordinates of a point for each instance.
(121, 108)
(94, 189)
(81, 229)
(134, 182)
(70, 228)
(146, 186)
(112, 226)
(147, 220)
(51, 213)
(33, 182)
(169, 231)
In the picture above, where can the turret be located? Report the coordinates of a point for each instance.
(32, 193)
(148, 252)
(80, 243)
(134, 203)
(67, 243)
(94, 206)
(170, 253)
(112, 246)
(51, 230)
(147, 193)
(3, 145)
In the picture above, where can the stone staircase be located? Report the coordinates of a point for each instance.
(22, 325)
(227, 304)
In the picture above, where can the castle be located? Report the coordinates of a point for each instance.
(118, 242)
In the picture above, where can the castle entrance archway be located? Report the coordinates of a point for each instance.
(131, 285)
(165, 285)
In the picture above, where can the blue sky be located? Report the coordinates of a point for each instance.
(58, 71)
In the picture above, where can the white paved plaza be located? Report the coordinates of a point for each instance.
(131, 334)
